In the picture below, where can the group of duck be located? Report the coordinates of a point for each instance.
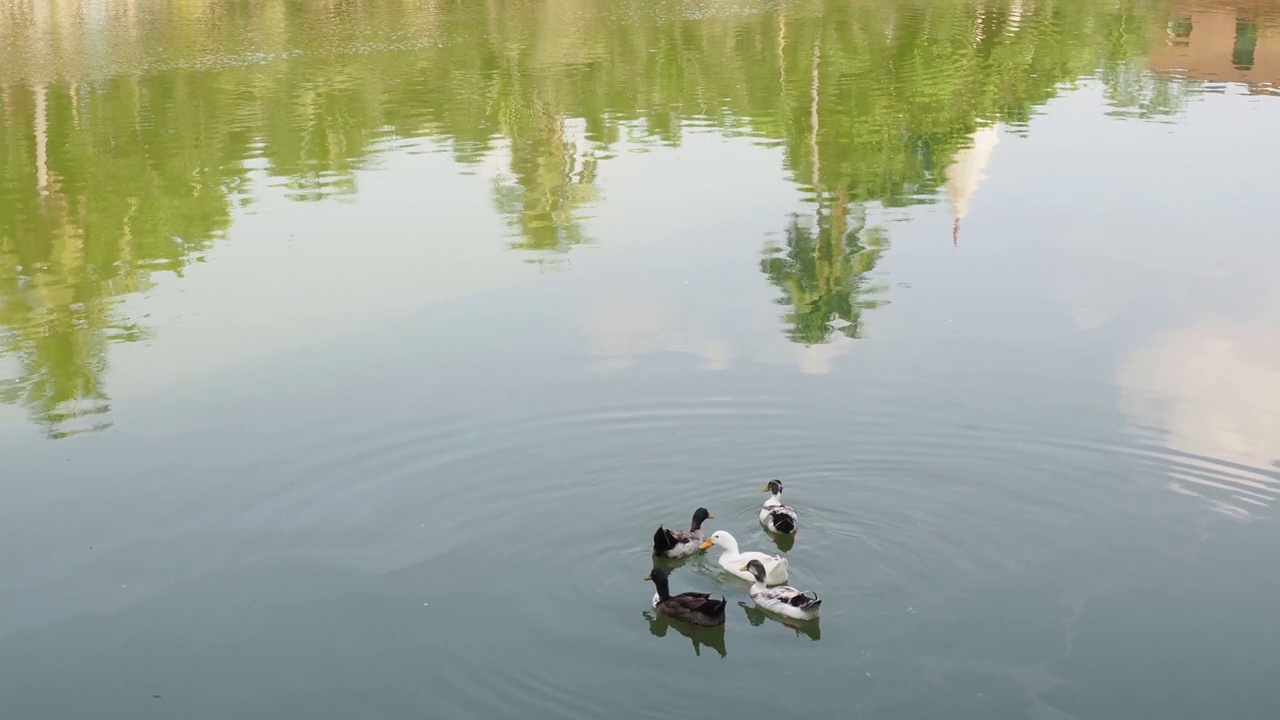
(767, 573)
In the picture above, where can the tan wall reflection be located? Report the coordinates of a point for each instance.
(1225, 42)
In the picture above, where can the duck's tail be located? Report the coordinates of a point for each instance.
(783, 523)
(662, 542)
(778, 573)
(715, 607)
(807, 602)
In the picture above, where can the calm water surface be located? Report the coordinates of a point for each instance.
(350, 353)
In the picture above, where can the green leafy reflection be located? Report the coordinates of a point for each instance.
(132, 130)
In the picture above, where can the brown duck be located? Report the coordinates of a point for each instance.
(691, 607)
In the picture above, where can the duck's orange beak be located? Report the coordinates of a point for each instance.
(706, 544)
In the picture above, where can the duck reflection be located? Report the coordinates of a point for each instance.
(757, 617)
(712, 637)
(670, 565)
(784, 541)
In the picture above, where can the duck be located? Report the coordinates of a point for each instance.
(690, 607)
(784, 600)
(732, 559)
(679, 543)
(774, 516)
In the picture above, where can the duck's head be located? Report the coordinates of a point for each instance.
(774, 487)
(756, 568)
(700, 516)
(721, 538)
(658, 577)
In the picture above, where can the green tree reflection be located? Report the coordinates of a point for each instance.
(131, 130)
(553, 184)
(823, 269)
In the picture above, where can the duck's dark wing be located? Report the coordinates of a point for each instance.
(807, 601)
(694, 607)
(702, 604)
(663, 541)
(783, 519)
(713, 608)
(697, 601)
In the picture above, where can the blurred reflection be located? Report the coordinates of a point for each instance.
(784, 541)
(1222, 41)
(671, 564)
(1213, 386)
(553, 171)
(133, 131)
(712, 637)
(966, 173)
(627, 322)
(811, 629)
(822, 272)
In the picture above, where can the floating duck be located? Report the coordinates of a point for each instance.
(690, 607)
(733, 560)
(679, 543)
(774, 516)
(784, 600)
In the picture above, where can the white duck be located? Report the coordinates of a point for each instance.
(733, 560)
(783, 600)
(774, 516)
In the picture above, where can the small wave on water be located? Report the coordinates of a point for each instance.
(572, 488)
(551, 512)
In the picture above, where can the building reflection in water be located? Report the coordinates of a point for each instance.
(1223, 42)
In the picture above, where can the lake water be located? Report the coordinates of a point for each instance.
(351, 352)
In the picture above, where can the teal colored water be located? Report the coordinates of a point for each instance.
(351, 352)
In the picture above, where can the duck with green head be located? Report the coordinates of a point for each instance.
(680, 543)
(690, 607)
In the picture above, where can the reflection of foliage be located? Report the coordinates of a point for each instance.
(109, 174)
(552, 185)
(1133, 92)
(88, 216)
(60, 350)
(822, 273)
